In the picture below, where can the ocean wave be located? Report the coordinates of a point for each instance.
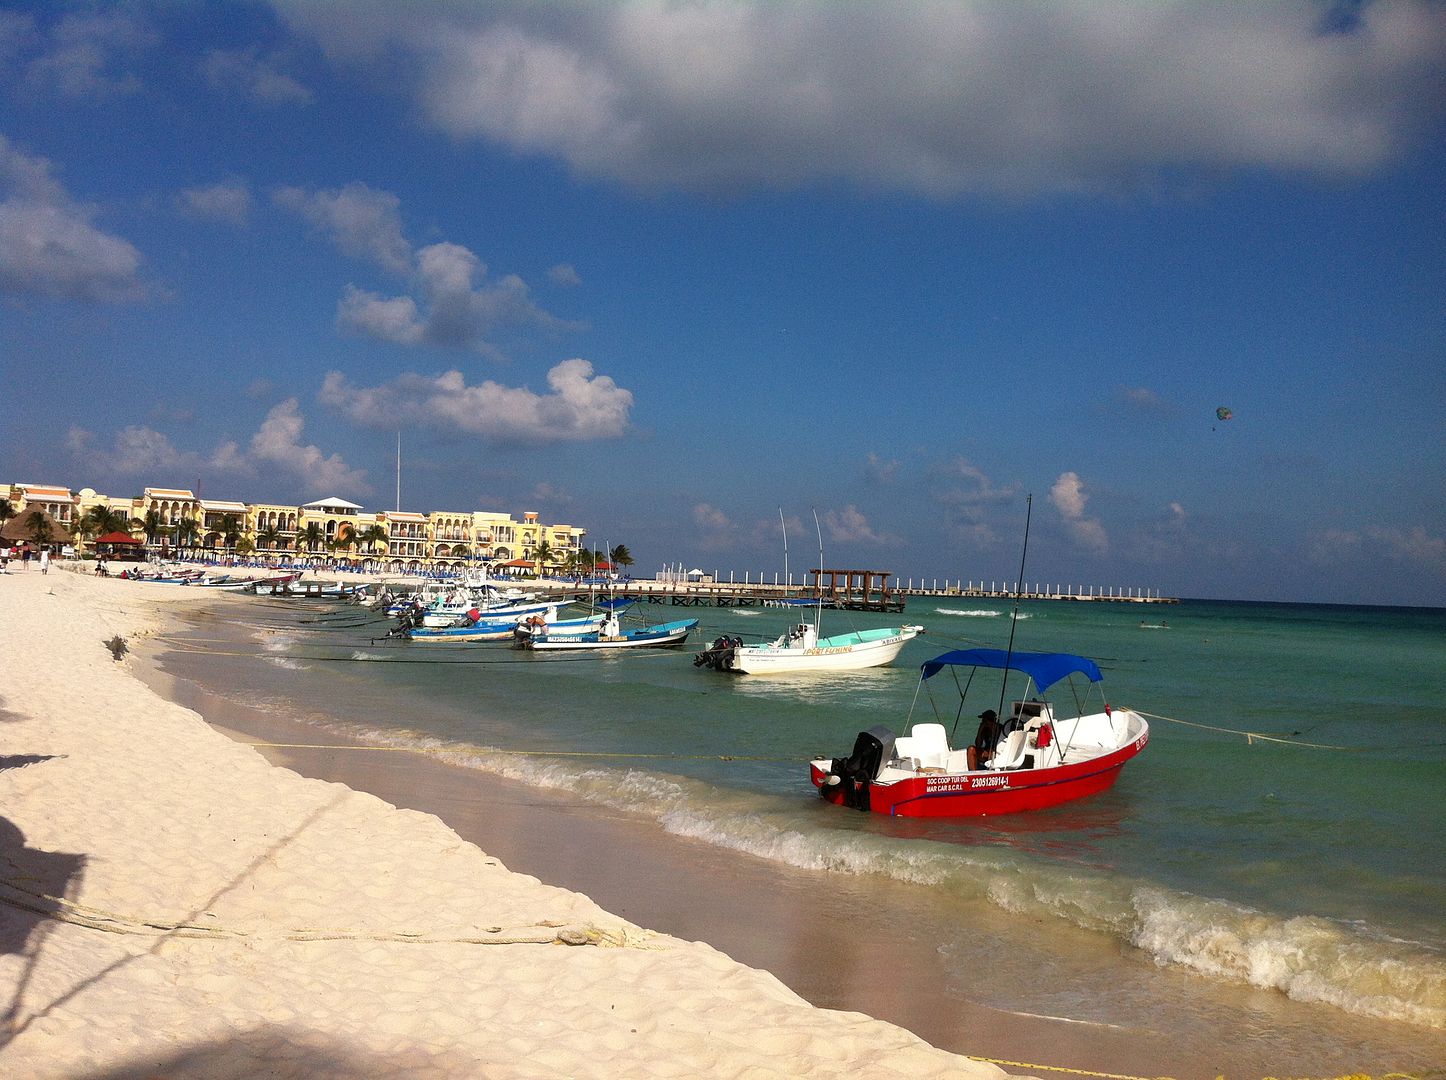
(972, 613)
(1309, 959)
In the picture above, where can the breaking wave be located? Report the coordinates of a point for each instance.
(1307, 958)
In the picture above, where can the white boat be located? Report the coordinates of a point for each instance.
(801, 649)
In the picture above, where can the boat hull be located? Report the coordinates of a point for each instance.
(654, 637)
(985, 793)
(766, 660)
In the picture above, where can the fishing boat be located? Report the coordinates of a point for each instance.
(505, 629)
(801, 649)
(610, 635)
(1034, 759)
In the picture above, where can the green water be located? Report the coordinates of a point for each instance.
(1315, 870)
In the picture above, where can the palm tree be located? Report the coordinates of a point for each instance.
(186, 532)
(153, 524)
(100, 520)
(269, 537)
(373, 535)
(7, 511)
(621, 556)
(231, 530)
(346, 536)
(312, 536)
(244, 546)
(39, 525)
(543, 554)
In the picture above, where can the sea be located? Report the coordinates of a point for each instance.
(1273, 861)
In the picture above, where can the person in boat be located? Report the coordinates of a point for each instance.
(985, 739)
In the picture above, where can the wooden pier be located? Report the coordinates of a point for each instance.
(854, 590)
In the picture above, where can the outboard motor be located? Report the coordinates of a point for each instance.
(719, 655)
(854, 773)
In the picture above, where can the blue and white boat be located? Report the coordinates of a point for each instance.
(610, 635)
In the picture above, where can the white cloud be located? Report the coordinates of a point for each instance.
(362, 221)
(454, 311)
(247, 72)
(76, 55)
(880, 471)
(1069, 498)
(140, 449)
(961, 96)
(278, 443)
(564, 274)
(48, 246)
(849, 525)
(1412, 546)
(78, 440)
(228, 202)
(580, 405)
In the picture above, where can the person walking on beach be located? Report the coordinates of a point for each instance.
(45, 560)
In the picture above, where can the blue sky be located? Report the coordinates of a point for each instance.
(661, 269)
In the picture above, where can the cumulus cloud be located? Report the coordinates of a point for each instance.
(564, 274)
(880, 471)
(849, 525)
(961, 96)
(448, 303)
(275, 449)
(579, 405)
(1414, 547)
(245, 71)
(228, 202)
(278, 443)
(80, 54)
(48, 245)
(1140, 399)
(454, 311)
(968, 496)
(362, 221)
(1069, 498)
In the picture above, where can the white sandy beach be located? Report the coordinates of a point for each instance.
(172, 905)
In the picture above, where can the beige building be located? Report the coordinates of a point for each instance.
(344, 532)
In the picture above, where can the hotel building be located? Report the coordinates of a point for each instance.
(331, 529)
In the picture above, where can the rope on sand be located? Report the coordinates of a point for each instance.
(1060, 1069)
(59, 909)
(1251, 736)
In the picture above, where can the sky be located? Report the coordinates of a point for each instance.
(677, 272)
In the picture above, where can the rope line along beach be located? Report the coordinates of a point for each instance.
(59, 909)
(484, 752)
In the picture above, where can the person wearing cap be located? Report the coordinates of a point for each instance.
(985, 739)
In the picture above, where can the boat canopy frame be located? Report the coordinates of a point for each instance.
(1042, 670)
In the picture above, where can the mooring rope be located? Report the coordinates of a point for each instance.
(1251, 736)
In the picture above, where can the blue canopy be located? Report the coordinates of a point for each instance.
(1045, 668)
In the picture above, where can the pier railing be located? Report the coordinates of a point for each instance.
(762, 593)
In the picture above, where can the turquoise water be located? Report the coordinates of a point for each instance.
(1313, 870)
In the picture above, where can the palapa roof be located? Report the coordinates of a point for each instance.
(117, 538)
(18, 528)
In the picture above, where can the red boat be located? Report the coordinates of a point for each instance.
(1029, 761)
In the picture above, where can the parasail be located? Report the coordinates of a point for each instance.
(1223, 413)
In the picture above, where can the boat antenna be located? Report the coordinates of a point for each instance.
(399, 470)
(784, 526)
(1018, 589)
(818, 582)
